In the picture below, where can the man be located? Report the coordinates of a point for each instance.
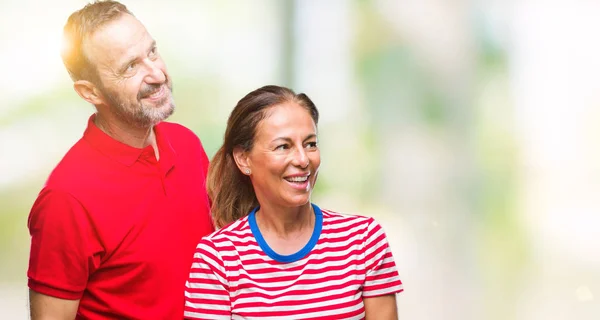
(114, 229)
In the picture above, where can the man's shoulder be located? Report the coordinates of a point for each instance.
(72, 166)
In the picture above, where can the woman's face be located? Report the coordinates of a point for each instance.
(285, 159)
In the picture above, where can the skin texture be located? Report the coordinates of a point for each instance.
(130, 70)
(382, 307)
(133, 89)
(132, 94)
(285, 145)
(45, 307)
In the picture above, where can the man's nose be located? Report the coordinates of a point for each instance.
(155, 73)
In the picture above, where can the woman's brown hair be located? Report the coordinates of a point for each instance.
(231, 191)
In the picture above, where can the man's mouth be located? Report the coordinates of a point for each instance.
(157, 94)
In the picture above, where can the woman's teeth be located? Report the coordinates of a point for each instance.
(297, 179)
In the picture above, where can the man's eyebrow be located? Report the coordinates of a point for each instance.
(129, 60)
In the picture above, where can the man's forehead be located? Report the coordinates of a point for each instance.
(117, 40)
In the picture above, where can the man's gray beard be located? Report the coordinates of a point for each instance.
(141, 116)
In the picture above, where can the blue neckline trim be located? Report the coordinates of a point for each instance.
(292, 257)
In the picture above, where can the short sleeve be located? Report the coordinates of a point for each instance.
(207, 288)
(381, 274)
(63, 253)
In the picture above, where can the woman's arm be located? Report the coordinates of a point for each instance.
(381, 307)
(207, 288)
(382, 281)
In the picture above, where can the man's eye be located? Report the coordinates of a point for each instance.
(131, 66)
(312, 144)
(153, 52)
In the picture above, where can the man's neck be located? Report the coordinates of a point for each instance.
(137, 137)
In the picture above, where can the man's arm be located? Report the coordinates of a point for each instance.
(43, 307)
(381, 307)
(62, 255)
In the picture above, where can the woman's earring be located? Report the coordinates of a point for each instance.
(247, 171)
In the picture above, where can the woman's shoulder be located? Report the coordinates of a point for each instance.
(236, 231)
(348, 222)
(341, 217)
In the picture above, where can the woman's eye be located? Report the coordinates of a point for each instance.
(281, 147)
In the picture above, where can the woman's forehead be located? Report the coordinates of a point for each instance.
(286, 119)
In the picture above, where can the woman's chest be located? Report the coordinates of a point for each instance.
(319, 285)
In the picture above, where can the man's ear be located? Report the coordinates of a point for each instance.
(88, 92)
(241, 160)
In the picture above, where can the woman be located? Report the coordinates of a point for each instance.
(277, 255)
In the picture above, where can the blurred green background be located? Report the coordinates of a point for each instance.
(469, 129)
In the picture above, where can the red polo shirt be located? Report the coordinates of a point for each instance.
(117, 229)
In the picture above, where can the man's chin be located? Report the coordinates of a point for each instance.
(163, 113)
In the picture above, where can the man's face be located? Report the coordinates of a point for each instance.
(132, 77)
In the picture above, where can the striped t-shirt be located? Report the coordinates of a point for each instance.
(235, 275)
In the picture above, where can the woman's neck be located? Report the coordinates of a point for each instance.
(285, 223)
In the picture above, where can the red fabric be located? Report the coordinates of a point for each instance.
(117, 229)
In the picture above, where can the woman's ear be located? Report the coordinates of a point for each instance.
(241, 160)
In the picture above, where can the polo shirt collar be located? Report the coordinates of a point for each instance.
(125, 154)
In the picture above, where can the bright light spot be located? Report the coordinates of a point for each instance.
(584, 294)
(30, 57)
